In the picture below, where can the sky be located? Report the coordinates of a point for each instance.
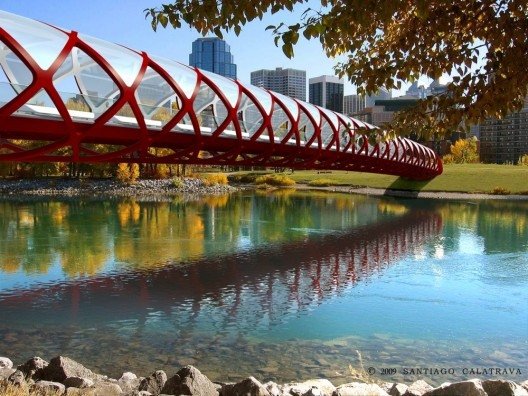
(123, 22)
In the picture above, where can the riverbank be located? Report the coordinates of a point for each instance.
(415, 194)
(64, 376)
(108, 188)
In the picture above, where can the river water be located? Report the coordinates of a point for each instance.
(282, 285)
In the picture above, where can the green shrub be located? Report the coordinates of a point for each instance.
(500, 191)
(177, 182)
(246, 178)
(210, 179)
(321, 183)
(275, 180)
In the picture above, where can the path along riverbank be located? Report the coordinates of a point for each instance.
(64, 376)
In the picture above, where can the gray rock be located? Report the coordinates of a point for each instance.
(78, 382)
(190, 381)
(48, 386)
(80, 392)
(5, 373)
(418, 388)
(154, 383)
(525, 384)
(387, 386)
(359, 389)
(5, 363)
(503, 388)
(18, 378)
(106, 389)
(33, 369)
(60, 368)
(129, 382)
(398, 390)
(313, 392)
(302, 388)
(247, 387)
(273, 388)
(465, 388)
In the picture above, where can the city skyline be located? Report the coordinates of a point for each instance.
(132, 30)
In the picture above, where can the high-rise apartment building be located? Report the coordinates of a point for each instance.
(327, 91)
(504, 141)
(353, 104)
(214, 55)
(289, 82)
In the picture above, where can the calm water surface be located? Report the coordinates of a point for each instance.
(285, 285)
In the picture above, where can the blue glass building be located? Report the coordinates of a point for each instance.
(214, 55)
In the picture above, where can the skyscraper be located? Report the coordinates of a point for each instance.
(327, 91)
(289, 82)
(353, 104)
(214, 55)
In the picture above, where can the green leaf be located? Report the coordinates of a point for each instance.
(162, 18)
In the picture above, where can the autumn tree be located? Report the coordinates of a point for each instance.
(465, 151)
(482, 45)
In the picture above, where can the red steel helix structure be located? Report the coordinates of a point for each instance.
(68, 97)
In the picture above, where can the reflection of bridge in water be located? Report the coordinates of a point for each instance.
(267, 282)
(66, 96)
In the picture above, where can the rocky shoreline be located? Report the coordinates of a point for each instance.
(64, 376)
(108, 188)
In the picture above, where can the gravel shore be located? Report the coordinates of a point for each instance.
(107, 188)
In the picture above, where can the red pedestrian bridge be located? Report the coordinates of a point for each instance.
(65, 96)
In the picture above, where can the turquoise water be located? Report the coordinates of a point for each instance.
(285, 285)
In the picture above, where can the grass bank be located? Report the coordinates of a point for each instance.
(465, 178)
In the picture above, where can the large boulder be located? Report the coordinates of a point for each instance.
(5, 373)
(359, 389)
(154, 383)
(247, 387)
(99, 389)
(78, 382)
(325, 388)
(61, 367)
(465, 388)
(189, 381)
(418, 388)
(45, 387)
(18, 378)
(503, 388)
(33, 369)
(5, 363)
(273, 388)
(398, 390)
(129, 382)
